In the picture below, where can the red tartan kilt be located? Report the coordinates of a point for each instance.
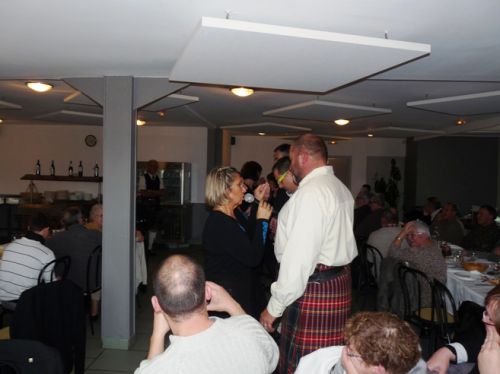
(316, 320)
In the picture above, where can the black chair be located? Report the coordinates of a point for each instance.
(93, 280)
(432, 320)
(59, 266)
(372, 263)
(29, 357)
(445, 312)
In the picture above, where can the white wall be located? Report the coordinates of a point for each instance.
(260, 149)
(22, 145)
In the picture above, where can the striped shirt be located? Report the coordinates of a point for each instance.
(21, 263)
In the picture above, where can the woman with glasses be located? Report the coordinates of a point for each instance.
(234, 244)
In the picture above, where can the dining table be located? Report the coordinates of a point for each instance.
(470, 285)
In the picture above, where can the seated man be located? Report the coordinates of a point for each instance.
(383, 237)
(376, 342)
(199, 343)
(372, 221)
(446, 226)
(362, 206)
(77, 242)
(422, 253)
(95, 218)
(24, 258)
(485, 234)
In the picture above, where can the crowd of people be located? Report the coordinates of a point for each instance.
(301, 229)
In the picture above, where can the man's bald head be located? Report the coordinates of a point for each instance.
(179, 285)
(312, 145)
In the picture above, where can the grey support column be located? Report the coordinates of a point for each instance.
(119, 160)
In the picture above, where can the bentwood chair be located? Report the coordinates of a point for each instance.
(58, 266)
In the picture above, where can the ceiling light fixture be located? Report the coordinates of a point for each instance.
(161, 113)
(460, 122)
(262, 133)
(1, 120)
(370, 135)
(341, 122)
(242, 91)
(140, 122)
(333, 142)
(39, 86)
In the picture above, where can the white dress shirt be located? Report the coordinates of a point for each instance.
(314, 227)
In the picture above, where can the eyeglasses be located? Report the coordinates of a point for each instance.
(282, 177)
(352, 355)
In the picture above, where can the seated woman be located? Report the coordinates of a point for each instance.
(468, 342)
(489, 357)
(234, 244)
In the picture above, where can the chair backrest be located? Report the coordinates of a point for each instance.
(29, 357)
(443, 306)
(58, 266)
(93, 280)
(412, 281)
(373, 260)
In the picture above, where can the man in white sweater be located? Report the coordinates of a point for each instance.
(199, 343)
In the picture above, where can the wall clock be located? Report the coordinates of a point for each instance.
(90, 140)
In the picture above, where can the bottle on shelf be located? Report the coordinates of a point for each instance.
(38, 168)
(96, 170)
(80, 169)
(70, 169)
(52, 168)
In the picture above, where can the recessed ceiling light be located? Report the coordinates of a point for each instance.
(1, 120)
(242, 91)
(370, 135)
(161, 113)
(341, 122)
(39, 86)
(262, 133)
(460, 122)
(140, 122)
(333, 142)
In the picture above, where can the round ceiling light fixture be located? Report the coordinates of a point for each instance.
(460, 122)
(1, 120)
(341, 122)
(242, 91)
(262, 133)
(140, 122)
(333, 142)
(39, 86)
(370, 135)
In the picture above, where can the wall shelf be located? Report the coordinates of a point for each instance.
(60, 178)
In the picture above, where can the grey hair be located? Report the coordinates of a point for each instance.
(421, 228)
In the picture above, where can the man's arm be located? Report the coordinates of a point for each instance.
(219, 300)
(157, 340)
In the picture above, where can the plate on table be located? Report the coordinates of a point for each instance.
(467, 275)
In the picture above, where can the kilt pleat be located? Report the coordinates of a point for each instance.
(316, 320)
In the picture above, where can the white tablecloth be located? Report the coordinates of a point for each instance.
(463, 289)
(141, 272)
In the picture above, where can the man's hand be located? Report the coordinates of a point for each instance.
(267, 320)
(262, 192)
(219, 300)
(440, 360)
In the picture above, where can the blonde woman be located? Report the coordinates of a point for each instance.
(233, 243)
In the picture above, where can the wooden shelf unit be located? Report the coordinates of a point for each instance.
(60, 178)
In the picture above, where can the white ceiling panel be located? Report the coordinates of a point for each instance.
(70, 116)
(267, 128)
(462, 105)
(325, 111)
(285, 58)
(171, 101)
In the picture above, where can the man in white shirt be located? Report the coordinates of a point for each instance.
(199, 343)
(24, 258)
(315, 245)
